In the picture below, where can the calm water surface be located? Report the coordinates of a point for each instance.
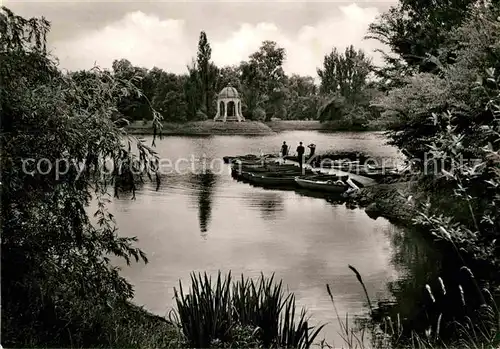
(207, 222)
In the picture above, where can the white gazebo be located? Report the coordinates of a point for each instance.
(229, 105)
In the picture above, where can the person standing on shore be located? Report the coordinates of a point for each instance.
(300, 154)
(312, 149)
(284, 150)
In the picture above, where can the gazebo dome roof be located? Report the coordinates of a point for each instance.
(229, 92)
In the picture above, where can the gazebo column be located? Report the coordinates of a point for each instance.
(218, 109)
(225, 111)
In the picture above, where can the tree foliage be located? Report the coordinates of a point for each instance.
(260, 80)
(345, 74)
(57, 280)
(441, 99)
(207, 73)
(345, 89)
(448, 120)
(262, 83)
(417, 30)
(263, 78)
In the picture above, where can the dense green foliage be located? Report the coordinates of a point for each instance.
(346, 89)
(448, 122)
(58, 286)
(442, 103)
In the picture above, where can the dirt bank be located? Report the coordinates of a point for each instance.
(391, 201)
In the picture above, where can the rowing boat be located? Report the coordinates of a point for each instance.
(267, 168)
(273, 179)
(248, 173)
(248, 157)
(237, 172)
(322, 184)
(326, 177)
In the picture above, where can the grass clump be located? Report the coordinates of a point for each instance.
(242, 313)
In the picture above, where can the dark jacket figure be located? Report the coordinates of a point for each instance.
(312, 148)
(300, 154)
(284, 149)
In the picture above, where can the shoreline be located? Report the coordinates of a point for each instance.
(247, 128)
(387, 201)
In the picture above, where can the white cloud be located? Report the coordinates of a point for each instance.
(150, 41)
(143, 39)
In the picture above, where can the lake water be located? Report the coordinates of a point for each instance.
(210, 222)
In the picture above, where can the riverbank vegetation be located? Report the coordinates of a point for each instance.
(440, 97)
(444, 116)
(59, 288)
(442, 105)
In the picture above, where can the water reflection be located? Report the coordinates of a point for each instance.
(204, 185)
(270, 203)
(418, 263)
(333, 199)
(433, 290)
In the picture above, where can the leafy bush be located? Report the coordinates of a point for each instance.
(258, 114)
(57, 282)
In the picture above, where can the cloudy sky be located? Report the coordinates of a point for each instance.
(165, 33)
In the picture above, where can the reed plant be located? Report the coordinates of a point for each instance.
(205, 313)
(477, 325)
(247, 312)
(259, 304)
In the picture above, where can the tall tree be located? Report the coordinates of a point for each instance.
(263, 77)
(344, 79)
(207, 72)
(345, 74)
(193, 92)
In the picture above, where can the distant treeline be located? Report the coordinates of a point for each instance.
(342, 95)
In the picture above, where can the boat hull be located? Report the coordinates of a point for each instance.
(273, 181)
(268, 168)
(327, 186)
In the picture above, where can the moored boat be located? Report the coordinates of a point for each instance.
(326, 177)
(266, 168)
(322, 184)
(273, 179)
(248, 157)
(271, 172)
(338, 164)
